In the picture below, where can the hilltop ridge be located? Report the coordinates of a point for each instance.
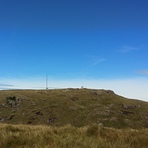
(78, 107)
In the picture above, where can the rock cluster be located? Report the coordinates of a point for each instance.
(13, 101)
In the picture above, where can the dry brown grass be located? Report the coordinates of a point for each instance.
(15, 136)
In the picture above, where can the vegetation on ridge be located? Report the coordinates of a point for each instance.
(78, 107)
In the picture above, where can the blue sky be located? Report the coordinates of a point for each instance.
(95, 43)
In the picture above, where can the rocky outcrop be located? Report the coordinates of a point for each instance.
(129, 106)
(13, 101)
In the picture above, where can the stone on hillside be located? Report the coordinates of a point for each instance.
(13, 111)
(100, 124)
(51, 119)
(12, 101)
(3, 119)
(109, 91)
(127, 112)
(129, 106)
(11, 117)
(39, 113)
(100, 92)
(74, 98)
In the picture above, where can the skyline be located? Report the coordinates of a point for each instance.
(96, 44)
(131, 88)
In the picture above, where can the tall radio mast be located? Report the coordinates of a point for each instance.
(46, 81)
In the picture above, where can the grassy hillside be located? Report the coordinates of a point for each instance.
(77, 107)
(71, 137)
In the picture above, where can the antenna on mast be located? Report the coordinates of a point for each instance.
(46, 81)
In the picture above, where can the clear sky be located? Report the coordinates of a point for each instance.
(90, 43)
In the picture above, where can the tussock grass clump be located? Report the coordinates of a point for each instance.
(71, 137)
(92, 130)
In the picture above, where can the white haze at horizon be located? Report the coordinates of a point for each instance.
(133, 88)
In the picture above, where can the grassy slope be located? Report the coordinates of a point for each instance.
(71, 137)
(78, 107)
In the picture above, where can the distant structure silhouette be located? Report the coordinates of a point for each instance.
(46, 81)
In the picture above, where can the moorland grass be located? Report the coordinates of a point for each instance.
(78, 107)
(93, 136)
